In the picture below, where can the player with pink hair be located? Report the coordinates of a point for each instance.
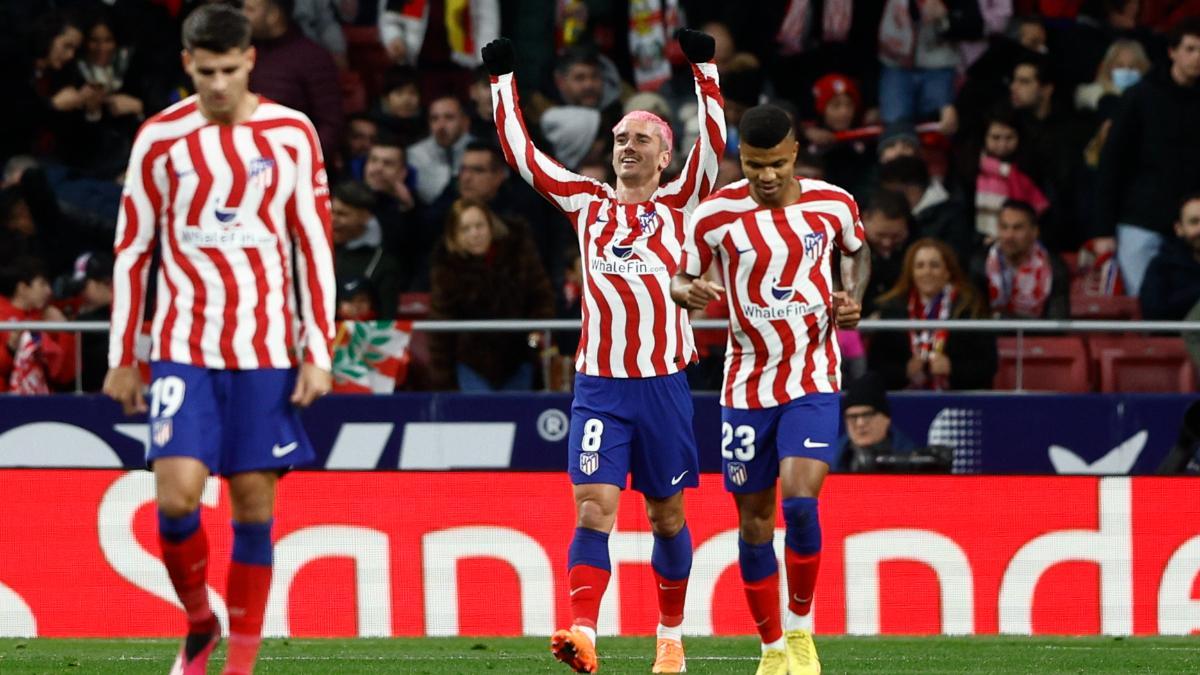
(632, 412)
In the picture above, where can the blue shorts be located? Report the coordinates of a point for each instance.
(754, 441)
(639, 426)
(232, 420)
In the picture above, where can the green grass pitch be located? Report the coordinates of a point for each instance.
(925, 655)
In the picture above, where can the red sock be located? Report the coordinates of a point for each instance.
(801, 579)
(587, 586)
(671, 595)
(247, 598)
(187, 565)
(763, 598)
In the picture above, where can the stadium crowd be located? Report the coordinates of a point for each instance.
(1010, 157)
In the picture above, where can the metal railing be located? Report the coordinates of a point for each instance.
(546, 326)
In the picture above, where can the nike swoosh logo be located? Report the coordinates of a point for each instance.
(800, 599)
(810, 443)
(281, 450)
(676, 479)
(744, 251)
(576, 590)
(759, 623)
(669, 588)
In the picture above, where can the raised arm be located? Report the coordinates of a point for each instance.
(699, 173)
(568, 191)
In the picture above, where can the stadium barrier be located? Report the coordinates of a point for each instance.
(483, 553)
(991, 433)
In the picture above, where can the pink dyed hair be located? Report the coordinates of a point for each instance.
(658, 122)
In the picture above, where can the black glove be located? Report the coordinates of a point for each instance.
(499, 57)
(697, 47)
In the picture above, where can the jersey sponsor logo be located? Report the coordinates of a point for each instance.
(625, 262)
(737, 473)
(781, 293)
(225, 216)
(814, 244)
(622, 252)
(792, 310)
(225, 239)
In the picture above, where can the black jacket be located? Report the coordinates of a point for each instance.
(1172, 283)
(1149, 161)
(972, 355)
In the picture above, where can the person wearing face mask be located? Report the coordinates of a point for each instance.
(485, 268)
(1123, 66)
(932, 286)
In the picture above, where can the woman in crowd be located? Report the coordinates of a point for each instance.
(932, 286)
(485, 268)
(1123, 66)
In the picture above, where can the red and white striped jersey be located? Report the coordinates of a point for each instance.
(777, 269)
(629, 252)
(228, 206)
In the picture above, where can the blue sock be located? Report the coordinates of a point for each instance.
(178, 529)
(672, 556)
(252, 543)
(757, 561)
(803, 525)
(589, 547)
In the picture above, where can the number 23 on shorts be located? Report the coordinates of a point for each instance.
(744, 450)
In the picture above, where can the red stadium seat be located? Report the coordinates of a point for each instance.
(1145, 364)
(1085, 306)
(1047, 364)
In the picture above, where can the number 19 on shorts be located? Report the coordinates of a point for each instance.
(743, 450)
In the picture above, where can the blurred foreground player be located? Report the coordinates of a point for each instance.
(633, 409)
(773, 236)
(232, 189)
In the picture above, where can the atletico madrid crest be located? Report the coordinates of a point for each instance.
(737, 473)
(589, 462)
(161, 432)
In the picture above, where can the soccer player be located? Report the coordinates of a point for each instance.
(231, 189)
(633, 410)
(773, 236)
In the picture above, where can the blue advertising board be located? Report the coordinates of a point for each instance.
(991, 433)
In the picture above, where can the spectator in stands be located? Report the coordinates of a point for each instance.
(898, 139)
(935, 213)
(1052, 140)
(1123, 66)
(1081, 46)
(293, 70)
(481, 124)
(868, 421)
(848, 159)
(358, 245)
(886, 220)
(356, 300)
(93, 278)
(1023, 279)
(32, 224)
(45, 99)
(361, 132)
(437, 158)
(919, 52)
(999, 176)
(1171, 288)
(485, 269)
(317, 21)
(589, 104)
(32, 362)
(406, 236)
(1149, 160)
(399, 107)
(119, 72)
(932, 286)
(443, 45)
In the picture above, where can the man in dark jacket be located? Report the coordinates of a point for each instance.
(886, 221)
(1150, 159)
(294, 71)
(1172, 284)
(935, 212)
(869, 430)
(358, 245)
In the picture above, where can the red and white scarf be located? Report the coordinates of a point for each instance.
(926, 343)
(835, 24)
(651, 25)
(1022, 290)
(28, 368)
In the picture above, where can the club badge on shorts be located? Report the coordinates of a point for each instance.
(161, 432)
(589, 462)
(737, 473)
